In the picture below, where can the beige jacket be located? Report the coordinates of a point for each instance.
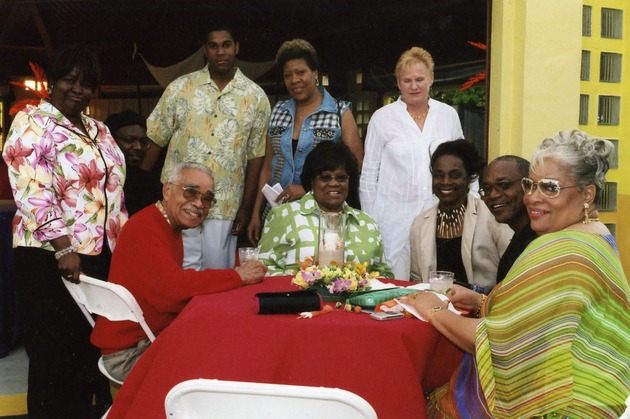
(483, 242)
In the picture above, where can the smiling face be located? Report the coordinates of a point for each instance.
(330, 195)
(450, 181)
(504, 194)
(71, 94)
(299, 79)
(181, 212)
(221, 50)
(414, 83)
(548, 215)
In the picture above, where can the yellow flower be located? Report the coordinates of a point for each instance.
(32, 178)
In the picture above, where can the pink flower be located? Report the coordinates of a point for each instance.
(43, 205)
(113, 180)
(89, 175)
(45, 153)
(16, 155)
(66, 192)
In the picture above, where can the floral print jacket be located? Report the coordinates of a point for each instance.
(64, 182)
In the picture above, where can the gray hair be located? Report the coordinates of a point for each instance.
(587, 158)
(177, 170)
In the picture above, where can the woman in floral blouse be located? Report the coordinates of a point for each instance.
(67, 175)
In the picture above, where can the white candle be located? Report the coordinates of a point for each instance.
(330, 240)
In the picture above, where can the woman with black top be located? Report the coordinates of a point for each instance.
(459, 234)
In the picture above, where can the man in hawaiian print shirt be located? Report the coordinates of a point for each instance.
(218, 117)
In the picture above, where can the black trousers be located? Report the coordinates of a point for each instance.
(63, 376)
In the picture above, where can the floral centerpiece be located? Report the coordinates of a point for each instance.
(335, 279)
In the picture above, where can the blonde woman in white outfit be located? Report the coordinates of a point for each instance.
(395, 180)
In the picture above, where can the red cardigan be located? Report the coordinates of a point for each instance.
(148, 262)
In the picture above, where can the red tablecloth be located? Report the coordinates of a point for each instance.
(388, 363)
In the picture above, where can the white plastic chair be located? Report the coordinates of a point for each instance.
(108, 300)
(235, 400)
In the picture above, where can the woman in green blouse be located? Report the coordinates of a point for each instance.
(291, 230)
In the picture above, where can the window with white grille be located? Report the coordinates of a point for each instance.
(612, 23)
(583, 110)
(586, 20)
(585, 70)
(608, 112)
(610, 67)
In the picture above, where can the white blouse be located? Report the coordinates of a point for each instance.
(396, 180)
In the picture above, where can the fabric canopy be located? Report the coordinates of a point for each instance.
(165, 75)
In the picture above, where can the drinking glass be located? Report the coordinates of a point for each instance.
(441, 281)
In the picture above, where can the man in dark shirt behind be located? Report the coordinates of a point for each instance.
(142, 188)
(502, 192)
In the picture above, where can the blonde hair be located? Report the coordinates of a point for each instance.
(412, 56)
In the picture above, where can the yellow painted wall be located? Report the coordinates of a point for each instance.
(535, 58)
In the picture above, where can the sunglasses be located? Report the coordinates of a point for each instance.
(338, 178)
(500, 186)
(192, 194)
(549, 188)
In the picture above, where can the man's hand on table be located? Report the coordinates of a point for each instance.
(251, 272)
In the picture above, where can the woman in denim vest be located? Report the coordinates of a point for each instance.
(299, 124)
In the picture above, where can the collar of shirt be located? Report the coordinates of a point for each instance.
(308, 206)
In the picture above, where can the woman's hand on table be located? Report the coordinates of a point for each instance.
(291, 193)
(251, 272)
(424, 302)
(464, 299)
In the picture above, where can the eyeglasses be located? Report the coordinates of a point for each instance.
(500, 186)
(549, 188)
(192, 194)
(130, 141)
(338, 178)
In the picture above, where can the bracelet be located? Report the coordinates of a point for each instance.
(433, 311)
(477, 312)
(61, 253)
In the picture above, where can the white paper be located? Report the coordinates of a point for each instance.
(418, 316)
(271, 193)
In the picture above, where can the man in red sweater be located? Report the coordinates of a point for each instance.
(148, 262)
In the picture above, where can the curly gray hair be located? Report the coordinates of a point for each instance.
(588, 158)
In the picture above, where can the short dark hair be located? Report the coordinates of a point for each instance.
(522, 165)
(295, 49)
(465, 151)
(123, 119)
(217, 27)
(68, 57)
(329, 155)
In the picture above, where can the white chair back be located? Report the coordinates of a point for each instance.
(235, 400)
(108, 300)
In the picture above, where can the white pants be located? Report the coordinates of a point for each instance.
(209, 246)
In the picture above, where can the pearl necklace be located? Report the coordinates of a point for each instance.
(449, 222)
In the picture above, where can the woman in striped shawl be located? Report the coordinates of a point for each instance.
(552, 340)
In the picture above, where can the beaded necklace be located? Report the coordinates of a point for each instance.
(449, 222)
(159, 206)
